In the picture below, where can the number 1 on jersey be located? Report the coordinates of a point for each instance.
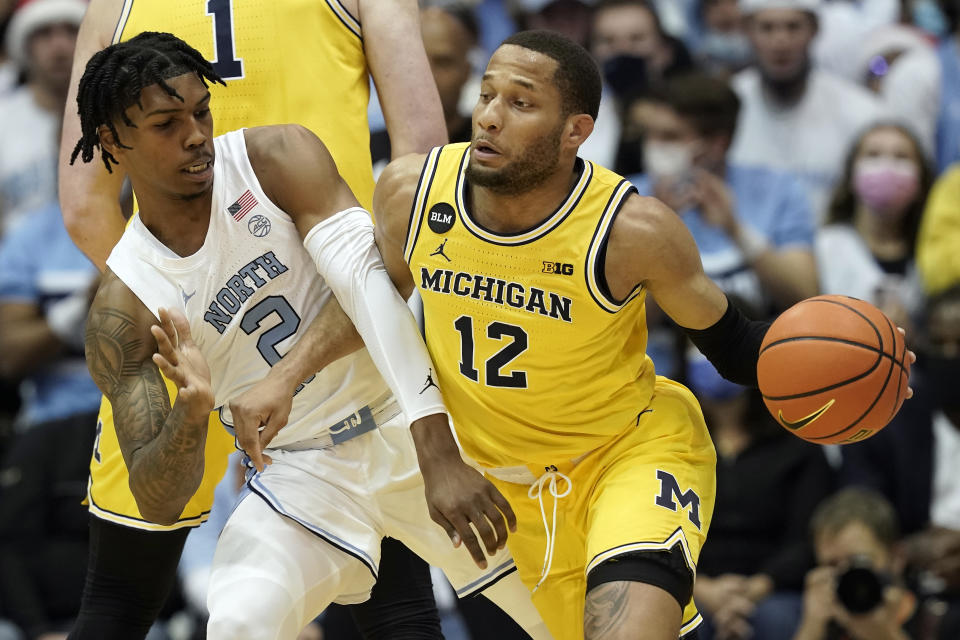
(496, 362)
(224, 63)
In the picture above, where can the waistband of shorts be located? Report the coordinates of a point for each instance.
(365, 419)
(523, 475)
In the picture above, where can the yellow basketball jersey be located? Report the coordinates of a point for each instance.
(314, 74)
(536, 361)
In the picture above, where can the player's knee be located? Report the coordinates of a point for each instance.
(643, 590)
(251, 612)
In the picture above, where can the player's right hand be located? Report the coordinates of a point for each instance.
(457, 496)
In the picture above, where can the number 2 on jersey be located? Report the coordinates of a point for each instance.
(496, 362)
(224, 63)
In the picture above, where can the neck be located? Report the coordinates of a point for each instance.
(886, 241)
(509, 213)
(180, 224)
(786, 92)
(49, 98)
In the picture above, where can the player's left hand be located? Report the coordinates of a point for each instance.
(457, 496)
(180, 360)
(259, 413)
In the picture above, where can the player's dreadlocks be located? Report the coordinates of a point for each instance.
(115, 76)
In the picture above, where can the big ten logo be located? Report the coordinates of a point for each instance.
(563, 268)
(441, 217)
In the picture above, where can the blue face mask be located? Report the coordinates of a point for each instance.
(731, 50)
(928, 15)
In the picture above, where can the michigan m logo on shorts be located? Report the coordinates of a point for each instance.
(670, 489)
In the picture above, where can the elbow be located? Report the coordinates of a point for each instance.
(165, 510)
(162, 514)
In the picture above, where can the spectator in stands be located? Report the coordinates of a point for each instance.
(753, 225)
(40, 39)
(866, 248)
(569, 17)
(9, 70)
(937, 256)
(913, 460)
(948, 124)
(750, 574)
(794, 116)
(900, 65)
(843, 25)
(449, 34)
(855, 528)
(723, 47)
(45, 289)
(634, 52)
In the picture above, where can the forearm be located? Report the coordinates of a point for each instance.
(397, 62)
(732, 345)
(27, 345)
(788, 276)
(166, 472)
(329, 337)
(434, 441)
(95, 225)
(343, 249)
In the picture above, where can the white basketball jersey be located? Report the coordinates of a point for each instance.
(249, 293)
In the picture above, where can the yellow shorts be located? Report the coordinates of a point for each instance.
(650, 488)
(108, 489)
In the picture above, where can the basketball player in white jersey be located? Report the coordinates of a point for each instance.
(220, 239)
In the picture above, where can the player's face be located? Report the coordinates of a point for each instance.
(781, 39)
(517, 123)
(172, 141)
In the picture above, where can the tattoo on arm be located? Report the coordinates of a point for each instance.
(605, 610)
(162, 447)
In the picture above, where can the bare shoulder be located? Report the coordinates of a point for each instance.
(648, 241)
(395, 191)
(644, 222)
(297, 172)
(283, 146)
(118, 338)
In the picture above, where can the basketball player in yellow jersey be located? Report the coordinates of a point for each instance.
(301, 61)
(533, 267)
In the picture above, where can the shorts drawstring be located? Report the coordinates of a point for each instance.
(536, 492)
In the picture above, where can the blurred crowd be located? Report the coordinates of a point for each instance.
(810, 146)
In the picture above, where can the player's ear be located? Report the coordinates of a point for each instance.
(109, 142)
(578, 129)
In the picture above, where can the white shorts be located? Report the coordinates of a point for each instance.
(355, 493)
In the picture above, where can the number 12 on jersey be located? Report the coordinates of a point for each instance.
(493, 367)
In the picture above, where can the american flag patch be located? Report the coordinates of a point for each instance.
(242, 206)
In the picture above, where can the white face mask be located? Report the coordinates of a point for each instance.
(667, 159)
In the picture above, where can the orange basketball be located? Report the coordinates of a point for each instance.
(833, 369)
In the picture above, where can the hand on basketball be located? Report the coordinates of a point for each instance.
(180, 360)
(911, 356)
(259, 413)
(457, 496)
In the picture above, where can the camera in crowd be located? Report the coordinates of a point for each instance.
(860, 587)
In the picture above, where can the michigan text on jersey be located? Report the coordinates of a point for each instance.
(497, 291)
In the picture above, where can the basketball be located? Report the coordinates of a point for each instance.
(833, 369)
